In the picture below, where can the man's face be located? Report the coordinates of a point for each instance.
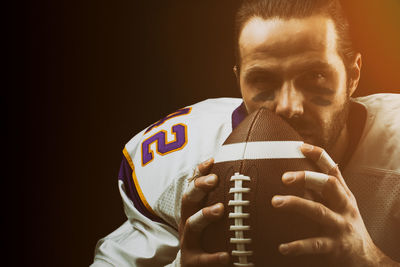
(293, 68)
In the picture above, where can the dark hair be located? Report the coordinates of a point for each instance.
(287, 9)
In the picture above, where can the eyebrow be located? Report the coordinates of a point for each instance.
(314, 64)
(254, 71)
(257, 69)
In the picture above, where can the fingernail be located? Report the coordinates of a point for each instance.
(216, 209)
(288, 177)
(224, 258)
(307, 147)
(211, 179)
(284, 249)
(277, 201)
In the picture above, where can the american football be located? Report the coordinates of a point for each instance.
(250, 165)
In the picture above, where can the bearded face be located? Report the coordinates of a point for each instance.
(292, 67)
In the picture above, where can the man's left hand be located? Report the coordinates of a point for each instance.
(344, 237)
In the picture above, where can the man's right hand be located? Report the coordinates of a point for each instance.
(195, 217)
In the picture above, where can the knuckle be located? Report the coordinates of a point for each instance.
(298, 176)
(352, 211)
(330, 185)
(296, 247)
(207, 212)
(213, 211)
(348, 227)
(332, 182)
(206, 182)
(198, 181)
(353, 200)
(317, 245)
(342, 248)
(286, 202)
(320, 211)
(334, 170)
(289, 200)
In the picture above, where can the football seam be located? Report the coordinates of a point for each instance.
(248, 135)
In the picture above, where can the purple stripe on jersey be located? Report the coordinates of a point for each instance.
(125, 175)
(238, 115)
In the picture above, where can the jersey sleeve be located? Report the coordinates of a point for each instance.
(163, 156)
(142, 236)
(153, 174)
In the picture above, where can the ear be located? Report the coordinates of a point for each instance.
(236, 71)
(355, 73)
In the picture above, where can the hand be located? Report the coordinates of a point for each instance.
(344, 237)
(194, 218)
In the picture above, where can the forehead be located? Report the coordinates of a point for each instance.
(280, 38)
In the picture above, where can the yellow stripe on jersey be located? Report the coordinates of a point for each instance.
(135, 181)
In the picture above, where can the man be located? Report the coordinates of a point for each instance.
(296, 59)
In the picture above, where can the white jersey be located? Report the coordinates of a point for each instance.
(373, 173)
(159, 161)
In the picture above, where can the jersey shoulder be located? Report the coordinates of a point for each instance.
(201, 117)
(379, 144)
(172, 147)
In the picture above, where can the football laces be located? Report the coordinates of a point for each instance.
(238, 215)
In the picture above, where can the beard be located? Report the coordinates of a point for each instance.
(323, 134)
(335, 128)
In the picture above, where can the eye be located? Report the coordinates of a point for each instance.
(265, 83)
(313, 78)
(264, 96)
(316, 76)
(316, 82)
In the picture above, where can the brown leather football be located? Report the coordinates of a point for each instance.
(249, 166)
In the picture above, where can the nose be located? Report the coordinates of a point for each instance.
(289, 101)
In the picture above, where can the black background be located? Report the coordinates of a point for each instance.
(87, 75)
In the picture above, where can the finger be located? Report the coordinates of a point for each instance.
(205, 259)
(199, 187)
(317, 245)
(205, 167)
(327, 186)
(202, 169)
(324, 162)
(315, 181)
(197, 222)
(195, 192)
(319, 156)
(311, 209)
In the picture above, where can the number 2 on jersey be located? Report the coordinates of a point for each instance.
(164, 147)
